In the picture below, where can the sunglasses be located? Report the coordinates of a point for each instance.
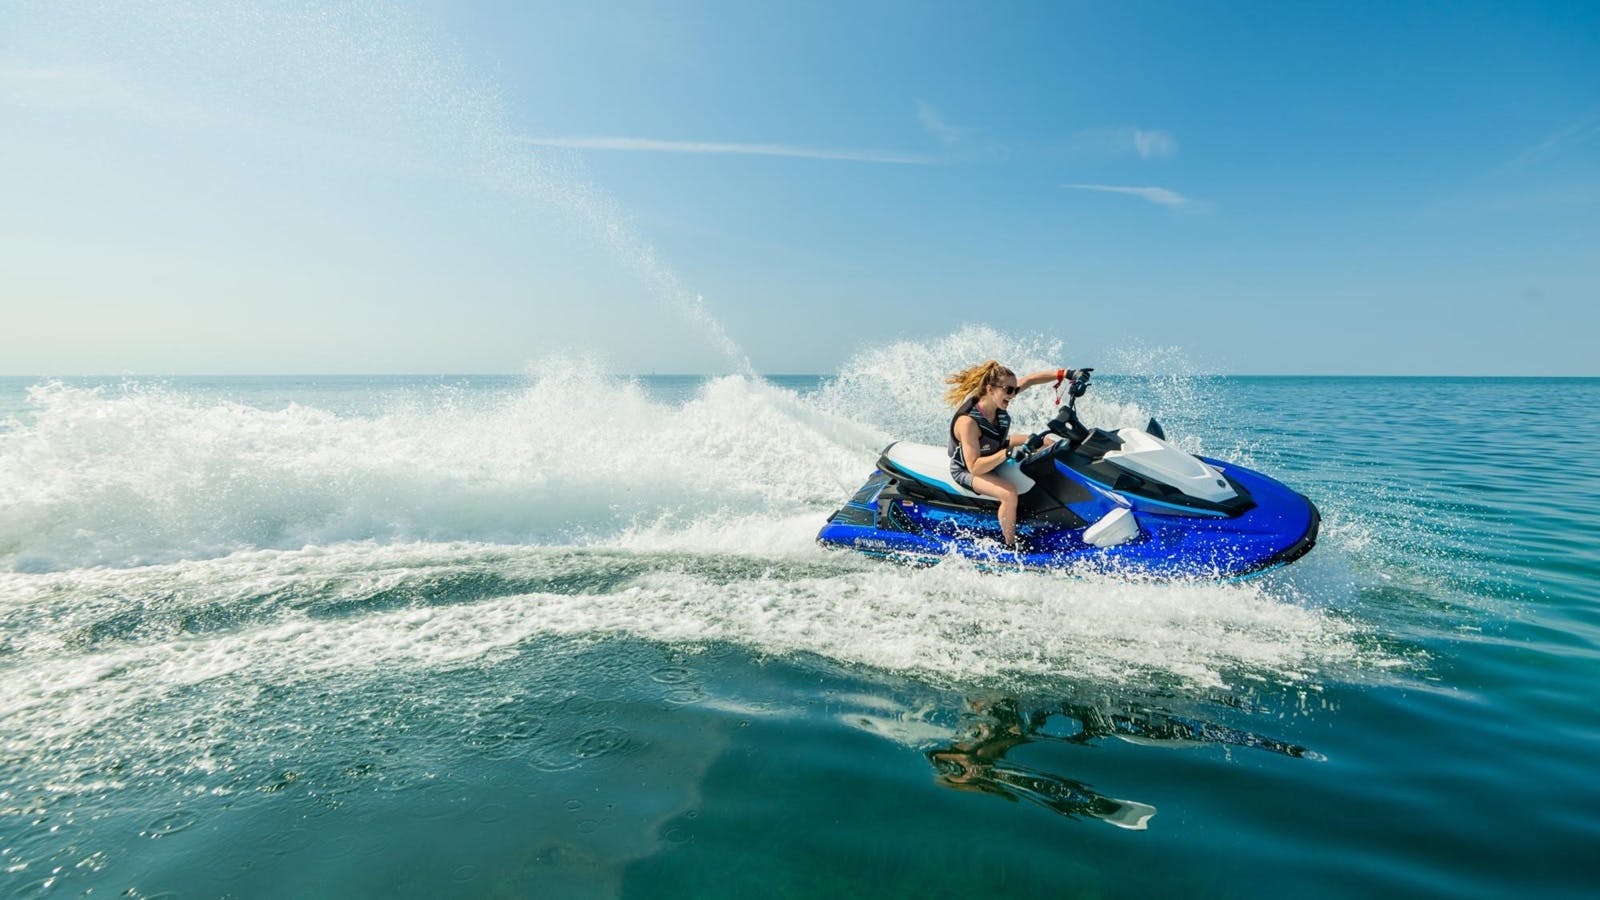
(1010, 389)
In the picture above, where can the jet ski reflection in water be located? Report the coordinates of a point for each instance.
(1125, 502)
(975, 760)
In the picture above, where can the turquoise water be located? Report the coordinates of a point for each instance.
(454, 637)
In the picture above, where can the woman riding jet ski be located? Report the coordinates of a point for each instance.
(1093, 501)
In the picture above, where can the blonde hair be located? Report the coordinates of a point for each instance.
(974, 380)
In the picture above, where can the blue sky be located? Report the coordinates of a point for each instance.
(446, 187)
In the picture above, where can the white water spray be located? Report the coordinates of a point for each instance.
(155, 543)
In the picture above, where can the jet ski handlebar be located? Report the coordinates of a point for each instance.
(1080, 383)
(1065, 424)
(1023, 451)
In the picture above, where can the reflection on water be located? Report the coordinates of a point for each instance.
(975, 760)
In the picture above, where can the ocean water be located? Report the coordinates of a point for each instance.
(494, 636)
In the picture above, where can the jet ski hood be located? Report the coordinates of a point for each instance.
(1156, 460)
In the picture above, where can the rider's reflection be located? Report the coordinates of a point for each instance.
(1138, 723)
(975, 759)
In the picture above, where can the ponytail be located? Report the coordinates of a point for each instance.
(974, 380)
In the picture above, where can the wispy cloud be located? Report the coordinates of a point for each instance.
(1158, 195)
(652, 145)
(1145, 143)
(1564, 141)
(1154, 143)
(935, 123)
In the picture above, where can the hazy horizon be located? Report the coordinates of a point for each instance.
(45, 378)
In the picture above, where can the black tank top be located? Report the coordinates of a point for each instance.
(991, 435)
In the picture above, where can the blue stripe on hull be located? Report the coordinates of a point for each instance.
(1280, 528)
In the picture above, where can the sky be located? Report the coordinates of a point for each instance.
(419, 186)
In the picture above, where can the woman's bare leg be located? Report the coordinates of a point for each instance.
(1000, 489)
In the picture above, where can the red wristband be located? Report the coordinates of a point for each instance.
(1061, 374)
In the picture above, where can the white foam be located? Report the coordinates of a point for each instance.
(275, 545)
(146, 474)
(948, 622)
(946, 625)
(141, 474)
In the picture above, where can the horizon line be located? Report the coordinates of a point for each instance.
(654, 374)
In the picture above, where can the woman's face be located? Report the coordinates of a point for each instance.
(1000, 393)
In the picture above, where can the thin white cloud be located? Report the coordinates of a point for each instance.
(1145, 143)
(1158, 195)
(652, 145)
(935, 123)
(1564, 141)
(1154, 143)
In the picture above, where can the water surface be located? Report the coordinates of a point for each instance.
(332, 636)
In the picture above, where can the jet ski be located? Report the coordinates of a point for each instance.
(1116, 502)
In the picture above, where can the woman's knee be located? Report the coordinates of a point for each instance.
(1000, 490)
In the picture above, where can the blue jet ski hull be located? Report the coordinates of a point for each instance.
(905, 516)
